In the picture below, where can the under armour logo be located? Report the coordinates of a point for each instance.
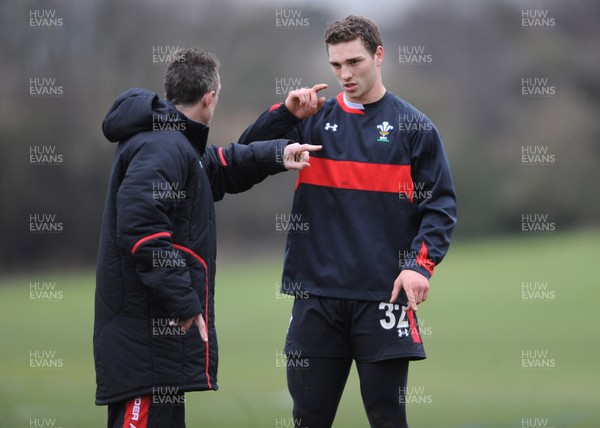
(329, 126)
(403, 332)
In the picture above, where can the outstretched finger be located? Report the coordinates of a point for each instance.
(412, 302)
(319, 87)
(309, 148)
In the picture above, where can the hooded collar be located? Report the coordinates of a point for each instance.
(139, 110)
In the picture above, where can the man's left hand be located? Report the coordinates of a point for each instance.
(415, 285)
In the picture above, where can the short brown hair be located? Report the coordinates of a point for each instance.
(351, 28)
(191, 74)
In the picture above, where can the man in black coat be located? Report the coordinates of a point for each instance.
(154, 331)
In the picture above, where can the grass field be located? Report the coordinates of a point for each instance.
(494, 307)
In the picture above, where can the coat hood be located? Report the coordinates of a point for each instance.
(139, 110)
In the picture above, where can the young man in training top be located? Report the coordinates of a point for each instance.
(380, 202)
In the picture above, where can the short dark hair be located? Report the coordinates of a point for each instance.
(351, 28)
(191, 74)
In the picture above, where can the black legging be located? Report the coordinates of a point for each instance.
(316, 386)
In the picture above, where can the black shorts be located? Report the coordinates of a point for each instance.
(365, 331)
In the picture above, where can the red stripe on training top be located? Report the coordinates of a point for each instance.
(148, 238)
(201, 260)
(374, 177)
(222, 157)
(424, 261)
(414, 331)
(346, 107)
(275, 106)
(136, 412)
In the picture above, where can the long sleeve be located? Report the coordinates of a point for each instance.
(433, 191)
(277, 122)
(238, 167)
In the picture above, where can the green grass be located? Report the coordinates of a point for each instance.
(477, 323)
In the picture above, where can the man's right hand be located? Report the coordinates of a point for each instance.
(305, 102)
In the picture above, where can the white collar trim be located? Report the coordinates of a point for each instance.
(353, 105)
